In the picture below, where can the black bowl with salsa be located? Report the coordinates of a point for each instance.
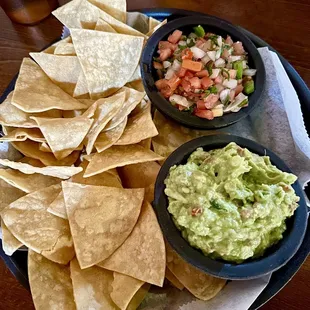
(202, 72)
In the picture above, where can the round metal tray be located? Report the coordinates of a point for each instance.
(17, 263)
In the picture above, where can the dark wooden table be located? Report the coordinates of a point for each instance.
(284, 24)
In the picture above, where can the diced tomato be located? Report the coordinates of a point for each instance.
(196, 211)
(218, 79)
(174, 82)
(206, 82)
(232, 95)
(175, 36)
(195, 82)
(180, 107)
(202, 73)
(211, 100)
(186, 85)
(182, 72)
(187, 54)
(238, 49)
(201, 105)
(189, 74)
(229, 41)
(195, 66)
(232, 73)
(158, 65)
(164, 54)
(166, 91)
(219, 87)
(165, 44)
(204, 114)
(225, 54)
(200, 42)
(238, 89)
(160, 84)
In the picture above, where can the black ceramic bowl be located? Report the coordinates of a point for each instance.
(274, 257)
(210, 24)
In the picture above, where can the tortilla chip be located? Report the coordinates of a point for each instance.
(62, 172)
(106, 109)
(27, 182)
(137, 85)
(173, 280)
(81, 87)
(51, 49)
(200, 284)
(50, 284)
(119, 156)
(153, 23)
(156, 27)
(171, 135)
(9, 243)
(35, 92)
(105, 215)
(142, 255)
(116, 8)
(68, 14)
(12, 116)
(107, 59)
(133, 98)
(108, 138)
(91, 287)
(136, 75)
(139, 296)
(22, 134)
(123, 289)
(31, 161)
(28, 220)
(65, 49)
(104, 26)
(8, 194)
(63, 71)
(44, 147)
(64, 134)
(58, 207)
(139, 127)
(147, 143)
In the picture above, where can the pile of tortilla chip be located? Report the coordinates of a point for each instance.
(79, 196)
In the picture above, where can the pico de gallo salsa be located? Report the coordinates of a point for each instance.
(203, 73)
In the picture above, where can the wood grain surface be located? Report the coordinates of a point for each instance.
(284, 24)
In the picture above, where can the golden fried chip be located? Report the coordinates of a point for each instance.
(116, 8)
(151, 31)
(104, 26)
(153, 23)
(68, 14)
(137, 85)
(50, 284)
(108, 138)
(147, 143)
(139, 296)
(35, 92)
(22, 134)
(62, 172)
(28, 220)
(106, 109)
(138, 128)
(173, 280)
(200, 284)
(81, 87)
(142, 255)
(65, 49)
(63, 71)
(58, 207)
(105, 215)
(64, 135)
(91, 287)
(9, 243)
(118, 156)
(123, 289)
(8, 194)
(114, 58)
(27, 182)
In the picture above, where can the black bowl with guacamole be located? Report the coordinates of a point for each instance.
(230, 207)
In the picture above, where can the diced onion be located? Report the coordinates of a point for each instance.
(219, 63)
(177, 99)
(234, 106)
(244, 64)
(166, 64)
(217, 112)
(218, 53)
(224, 96)
(235, 58)
(205, 59)
(197, 52)
(211, 54)
(249, 72)
(231, 83)
(169, 74)
(176, 65)
(192, 35)
(182, 43)
(219, 41)
(215, 73)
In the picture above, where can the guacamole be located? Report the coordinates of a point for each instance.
(230, 203)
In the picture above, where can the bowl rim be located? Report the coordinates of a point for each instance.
(185, 118)
(247, 270)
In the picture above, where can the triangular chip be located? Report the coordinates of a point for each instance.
(64, 134)
(133, 98)
(106, 109)
(107, 59)
(116, 8)
(142, 255)
(147, 143)
(51, 49)
(139, 296)
(35, 92)
(138, 128)
(58, 207)
(63, 71)
(156, 27)
(107, 138)
(22, 134)
(32, 149)
(91, 287)
(8, 194)
(9, 243)
(118, 156)
(104, 26)
(137, 85)
(174, 281)
(28, 220)
(200, 284)
(104, 215)
(136, 75)
(123, 289)
(153, 23)
(12, 116)
(65, 49)
(62, 172)
(81, 87)
(27, 182)
(50, 284)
